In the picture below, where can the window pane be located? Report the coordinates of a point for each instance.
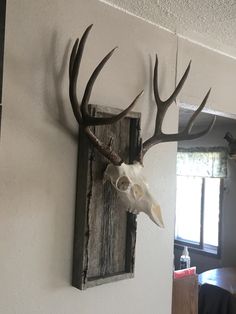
(211, 211)
(202, 162)
(188, 208)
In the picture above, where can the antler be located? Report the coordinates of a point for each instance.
(162, 106)
(81, 112)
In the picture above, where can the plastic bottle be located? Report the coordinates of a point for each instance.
(185, 259)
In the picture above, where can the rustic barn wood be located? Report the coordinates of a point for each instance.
(105, 233)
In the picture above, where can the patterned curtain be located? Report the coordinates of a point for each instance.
(202, 162)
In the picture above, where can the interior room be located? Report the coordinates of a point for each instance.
(88, 214)
(219, 226)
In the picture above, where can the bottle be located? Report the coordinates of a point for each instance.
(185, 259)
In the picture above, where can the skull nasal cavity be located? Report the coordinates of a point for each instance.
(137, 191)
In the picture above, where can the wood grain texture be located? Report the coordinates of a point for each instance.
(105, 233)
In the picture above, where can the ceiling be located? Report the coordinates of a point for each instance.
(211, 23)
(204, 119)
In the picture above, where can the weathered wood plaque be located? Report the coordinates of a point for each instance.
(105, 233)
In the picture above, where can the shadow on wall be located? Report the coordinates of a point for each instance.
(56, 78)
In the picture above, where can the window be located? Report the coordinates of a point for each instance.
(200, 174)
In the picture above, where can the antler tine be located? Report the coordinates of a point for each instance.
(162, 106)
(72, 57)
(179, 86)
(104, 121)
(84, 105)
(199, 134)
(77, 58)
(74, 65)
(197, 112)
(89, 86)
(81, 113)
(72, 83)
(185, 134)
(175, 93)
(182, 136)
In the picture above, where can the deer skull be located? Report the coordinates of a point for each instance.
(127, 179)
(130, 182)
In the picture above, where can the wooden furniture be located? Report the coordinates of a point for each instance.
(185, 295)
(217, 292)
(221, 277)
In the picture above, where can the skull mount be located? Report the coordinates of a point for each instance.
(136, 194)
(130, 182)
(127, 180)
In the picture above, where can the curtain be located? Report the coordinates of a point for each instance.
(202, 162)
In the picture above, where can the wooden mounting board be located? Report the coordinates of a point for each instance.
(105, 233)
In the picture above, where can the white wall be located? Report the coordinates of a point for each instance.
(208, 70)
(39, 150)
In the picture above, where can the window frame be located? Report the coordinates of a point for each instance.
(201, 248)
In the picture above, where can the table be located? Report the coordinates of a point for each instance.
(221, 277)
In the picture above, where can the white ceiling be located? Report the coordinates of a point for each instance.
(204, 119)
(211, 23)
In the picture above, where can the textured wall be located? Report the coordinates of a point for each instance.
(210, 23)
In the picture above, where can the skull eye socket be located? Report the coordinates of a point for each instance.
(137, 192)
(123, 184)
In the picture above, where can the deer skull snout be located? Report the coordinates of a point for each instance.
(130, 182)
